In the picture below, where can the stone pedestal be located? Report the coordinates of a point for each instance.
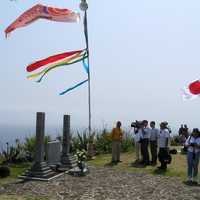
(54, 152)
(39, 169)
(68, 161)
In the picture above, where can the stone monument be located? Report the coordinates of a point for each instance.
(39, 169)
(54, 152)
(68, 161)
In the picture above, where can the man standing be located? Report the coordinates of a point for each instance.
(145, 142)
(154, 132)
(163, 141)
(137, 139)
(116, 136)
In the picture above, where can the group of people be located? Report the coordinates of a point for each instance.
(151, 138)
(143, 137)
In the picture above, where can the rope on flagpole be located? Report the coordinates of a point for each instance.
(84, 7)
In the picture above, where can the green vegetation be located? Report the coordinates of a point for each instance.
(16, 170)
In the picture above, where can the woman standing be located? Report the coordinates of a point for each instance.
(193, 153)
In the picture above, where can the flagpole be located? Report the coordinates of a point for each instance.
(84, 7)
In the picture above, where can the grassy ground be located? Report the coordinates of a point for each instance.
(16, 170)
(177, 168)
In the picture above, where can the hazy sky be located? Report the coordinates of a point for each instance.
(142, 54)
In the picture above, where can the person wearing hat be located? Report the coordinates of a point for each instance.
(193, 152)
(163, 143)
(116, 137)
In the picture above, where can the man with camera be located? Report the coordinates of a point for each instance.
(137, 125)
(193, 153)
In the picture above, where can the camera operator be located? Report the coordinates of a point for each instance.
(137, 138)
(193, 152)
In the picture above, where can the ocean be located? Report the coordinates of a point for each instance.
(9, 133)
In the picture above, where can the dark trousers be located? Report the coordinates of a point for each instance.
(162, 155)
(144, 151)
(153, 147)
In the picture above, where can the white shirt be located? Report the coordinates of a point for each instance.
(146, 133)
(162, 138)
(191, 140)
(154, 132)
(138, 136)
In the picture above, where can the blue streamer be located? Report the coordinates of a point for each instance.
(86, 67)
(71, 88)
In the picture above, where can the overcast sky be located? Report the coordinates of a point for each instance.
(142, 54)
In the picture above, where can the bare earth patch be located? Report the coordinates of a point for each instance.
(106, 184)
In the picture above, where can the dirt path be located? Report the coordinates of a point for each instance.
(107, 184)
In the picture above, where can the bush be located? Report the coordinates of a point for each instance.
(14, 154)
(29, 147)
(127, 143)
(103, 143)
(4, 171)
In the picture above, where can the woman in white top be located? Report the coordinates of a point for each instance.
(193, 153)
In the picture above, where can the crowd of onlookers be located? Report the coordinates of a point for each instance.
(152, 144)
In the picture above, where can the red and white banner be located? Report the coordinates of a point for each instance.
(192, 90)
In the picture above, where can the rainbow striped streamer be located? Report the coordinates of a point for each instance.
(56, 61)
(44, 66)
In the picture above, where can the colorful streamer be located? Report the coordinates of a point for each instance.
(72, 88)
(50, 60)
(56, 61)
(42, 12)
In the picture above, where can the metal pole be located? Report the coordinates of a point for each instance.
(84, 7)
(89, 82)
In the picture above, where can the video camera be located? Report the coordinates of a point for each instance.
(136, 124)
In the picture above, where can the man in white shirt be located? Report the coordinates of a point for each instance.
(137, 140)
(163, 142)
(154, 133)
(145, 143)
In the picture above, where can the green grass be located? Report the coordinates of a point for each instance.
(16, 170)
(177, 168)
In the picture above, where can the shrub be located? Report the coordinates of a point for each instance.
(127, 143)
(29, 146)
(4, 171)
(14, 154)
(103, 142)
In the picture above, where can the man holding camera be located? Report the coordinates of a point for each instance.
(137, 140)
